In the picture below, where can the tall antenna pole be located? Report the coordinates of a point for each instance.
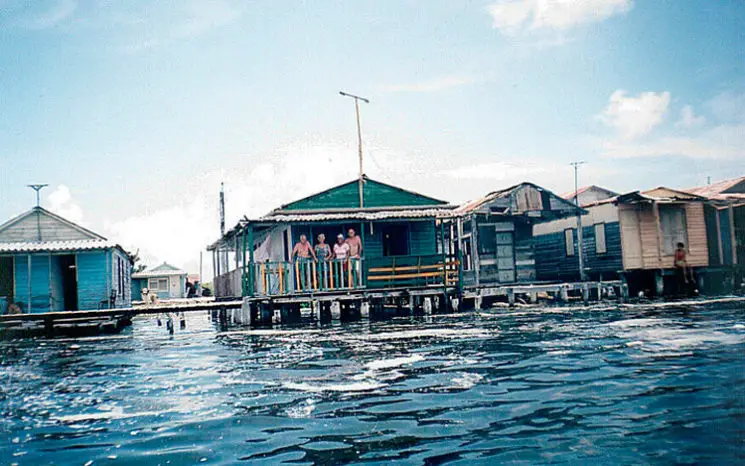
(580, 249)
(222, 209)
(37, 188)
(359, 138)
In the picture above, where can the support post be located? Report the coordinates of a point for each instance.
(250, 260)
(475, 250)
(28, 306)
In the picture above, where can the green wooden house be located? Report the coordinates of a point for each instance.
(400, 230)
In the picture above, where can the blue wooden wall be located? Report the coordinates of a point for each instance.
(137, 285)
(39, 282)
(92, 278)
(552, 263)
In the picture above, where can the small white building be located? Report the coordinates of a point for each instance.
(166, 280)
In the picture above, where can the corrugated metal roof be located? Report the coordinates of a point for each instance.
(717, 190)
(56, 246)
(357, 214)
(470, 206)
(163, 270)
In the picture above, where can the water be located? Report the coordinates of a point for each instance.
(521, 387)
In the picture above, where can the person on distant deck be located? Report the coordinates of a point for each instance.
(355, 244)
(682, 270)
(323, 250)
(303, 250)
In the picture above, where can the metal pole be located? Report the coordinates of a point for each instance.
(580, 249)
(359, 140)
(359, 149)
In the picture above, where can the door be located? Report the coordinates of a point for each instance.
(69, 274)
(6, 283)
(175, 290)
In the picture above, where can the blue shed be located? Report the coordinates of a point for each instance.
(48, 263)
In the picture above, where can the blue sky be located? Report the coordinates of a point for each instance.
(134, 112)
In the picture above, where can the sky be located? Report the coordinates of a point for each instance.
(134, 112)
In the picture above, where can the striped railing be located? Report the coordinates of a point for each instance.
(391, 272)
(305, 276)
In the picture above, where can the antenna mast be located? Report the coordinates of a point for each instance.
(222, 209)
(359, 138)
(37, 188)
(580, 250)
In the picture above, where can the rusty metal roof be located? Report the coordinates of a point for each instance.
(718, 190)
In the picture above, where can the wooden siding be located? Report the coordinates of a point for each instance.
(738, 215)
(26, 230)
(39, 292)
(641, 237)
(698, 252)
(93, 284)
(375, 195)
(552, 263)
(123, 293)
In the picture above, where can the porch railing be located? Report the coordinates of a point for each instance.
(433, 270)
(281, 278)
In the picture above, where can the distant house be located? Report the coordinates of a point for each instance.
(589, 195)
(166, 280)
(725, 226)
(497, 233)
(632, 235)
(48, 263)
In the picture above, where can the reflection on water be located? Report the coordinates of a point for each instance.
(620, 387)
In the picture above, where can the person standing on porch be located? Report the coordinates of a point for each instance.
(323, 254)
(355, 253)
(302, 253)
(341, 263)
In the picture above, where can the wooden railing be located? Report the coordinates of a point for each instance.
(282, 278)
(431, 270)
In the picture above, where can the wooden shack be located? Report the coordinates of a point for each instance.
(48, 263)
(399, 229)
(557, 241)
(496, 233)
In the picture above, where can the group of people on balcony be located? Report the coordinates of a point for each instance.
(343, 249)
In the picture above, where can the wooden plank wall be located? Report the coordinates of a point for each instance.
(552, 263)
(698, 251)
(92, 279)
(347, 196)
(26, 230)
(39, 282)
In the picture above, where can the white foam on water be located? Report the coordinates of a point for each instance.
(303, 410)
(115, 413)
(394, 362)
(738, 326)
(338, 387)
(428, 333)
(466, 380)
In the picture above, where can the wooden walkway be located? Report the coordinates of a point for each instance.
(325, 305)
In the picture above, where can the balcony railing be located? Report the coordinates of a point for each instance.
(308, 276)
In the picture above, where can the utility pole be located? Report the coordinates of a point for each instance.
(359, 137)
(580, 249)
(37, 188)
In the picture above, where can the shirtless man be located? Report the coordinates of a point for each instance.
(303, 250)
(355, 244)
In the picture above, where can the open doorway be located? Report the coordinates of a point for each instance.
(6, 283)
(69, 282)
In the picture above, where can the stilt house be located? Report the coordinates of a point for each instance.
(48, 263)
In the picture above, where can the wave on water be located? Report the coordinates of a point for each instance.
(395, 362)
(335, 387)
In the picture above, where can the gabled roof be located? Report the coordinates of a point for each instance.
(659, 194)
(570, 194)
(163, 270)
(346, 196)
(515, 205)
(55, 218)
(732, 189)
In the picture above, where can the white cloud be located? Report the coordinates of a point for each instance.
(433, 85)
(62, 204)
(35, 15)
(688, 119)
(494, 171)
(719, 142)
(635, 116)
(513, 17)
(728, 106)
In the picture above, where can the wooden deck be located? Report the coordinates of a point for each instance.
(324, 305)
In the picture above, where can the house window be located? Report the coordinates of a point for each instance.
(569, 241)
(487, 239)
(395, 240)
(158, 284)
(673, 225)
(466, 254)
(600, 238)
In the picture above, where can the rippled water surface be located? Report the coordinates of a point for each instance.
(506, 386)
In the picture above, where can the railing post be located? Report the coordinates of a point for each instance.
(250, 260)
(444, 256)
